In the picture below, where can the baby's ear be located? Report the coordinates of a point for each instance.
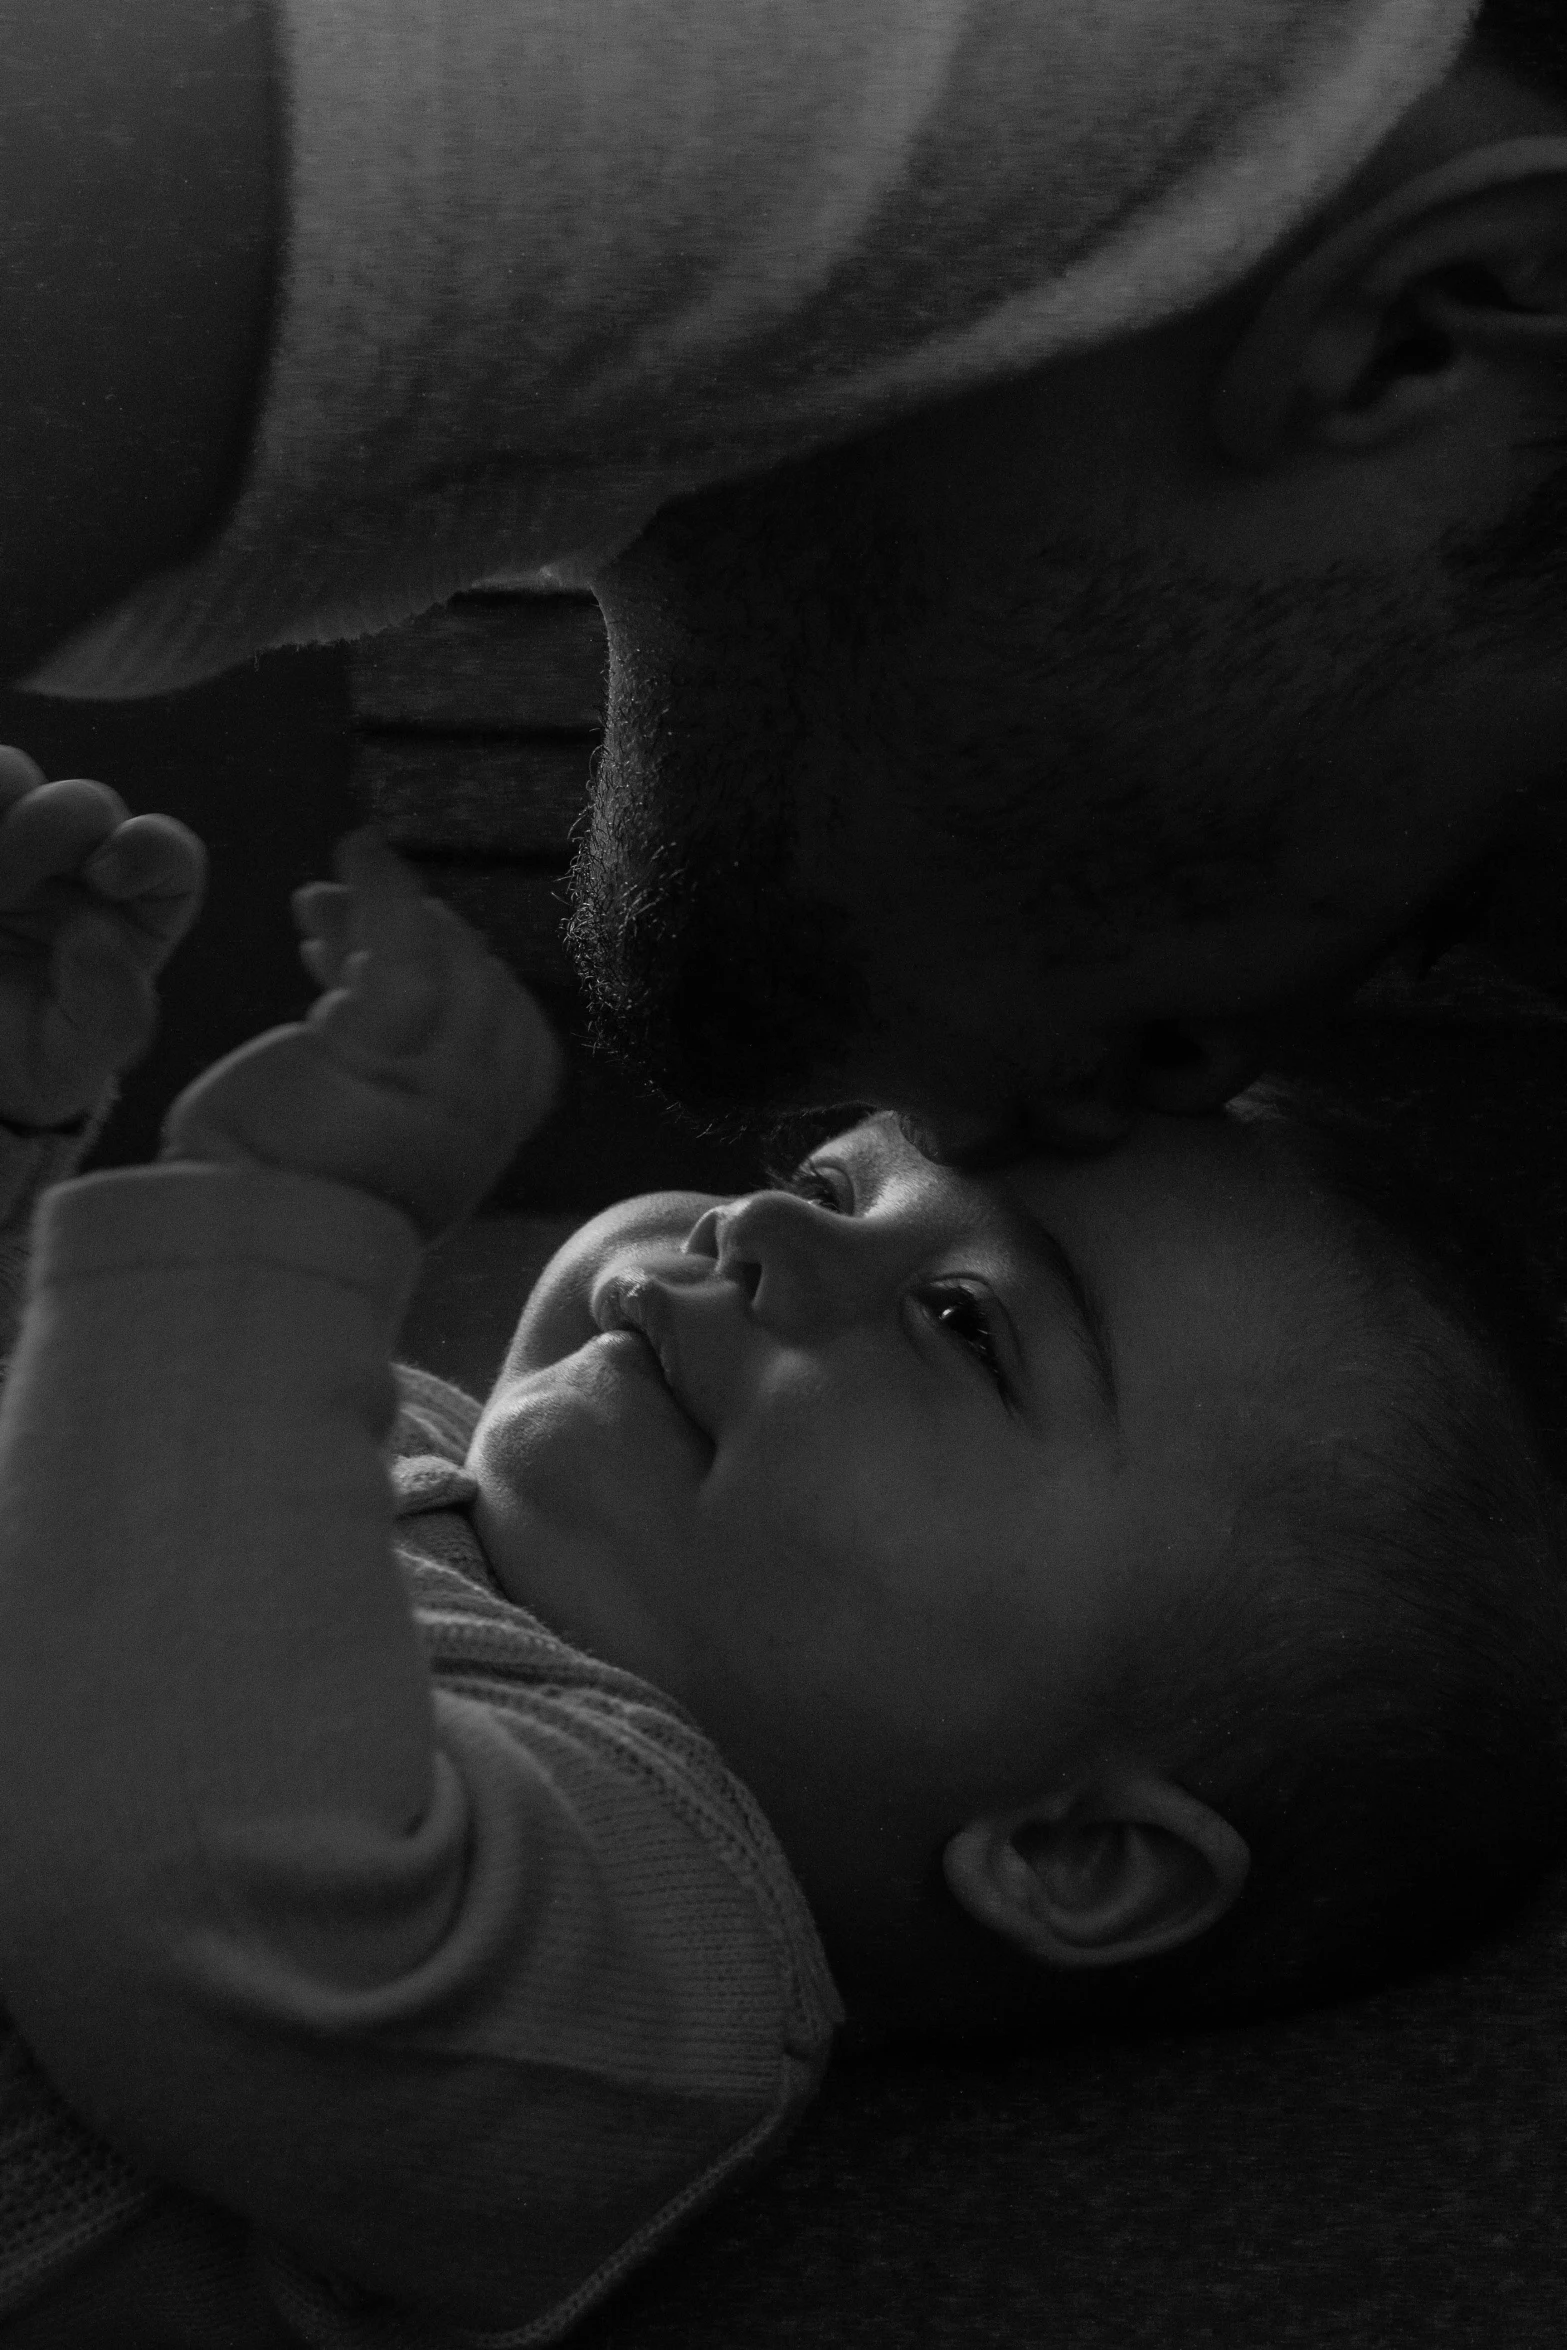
(1118, 1867)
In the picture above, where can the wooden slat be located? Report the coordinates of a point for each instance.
(521, 915)
(493, 799)
(516, 663)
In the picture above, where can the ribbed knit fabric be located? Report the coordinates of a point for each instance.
(549, 264)
(454, 2060)
(62, 2191)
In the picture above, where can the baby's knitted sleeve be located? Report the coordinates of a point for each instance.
(29, 1164)
(549, 263)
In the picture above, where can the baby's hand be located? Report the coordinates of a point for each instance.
(418, 1074)
(93, 901)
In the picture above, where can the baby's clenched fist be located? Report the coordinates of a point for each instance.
(93, 901)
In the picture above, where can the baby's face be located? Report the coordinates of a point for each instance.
(870, 1476)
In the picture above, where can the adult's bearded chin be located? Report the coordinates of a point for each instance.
(707, 970)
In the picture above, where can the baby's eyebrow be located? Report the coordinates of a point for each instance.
(1088, 1313)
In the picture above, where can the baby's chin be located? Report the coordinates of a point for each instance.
(580, 1588)
(589, 1479)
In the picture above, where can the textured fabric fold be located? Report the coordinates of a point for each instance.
(548, 265)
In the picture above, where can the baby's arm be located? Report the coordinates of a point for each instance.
(435, 1984)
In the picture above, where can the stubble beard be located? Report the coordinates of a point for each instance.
(707, 969)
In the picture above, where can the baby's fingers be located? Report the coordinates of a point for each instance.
(501, 1064)
(50, 832)
(371, 908)
(389, 909)
(323, 913)
(399, 964)
(102, 1002)
(18, 774)
(154, 869)
(381, 1010)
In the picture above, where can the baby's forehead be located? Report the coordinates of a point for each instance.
(1201, 1235)
(1216, 1170)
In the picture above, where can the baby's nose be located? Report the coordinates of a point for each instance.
(795, 1265)
(703, 1238)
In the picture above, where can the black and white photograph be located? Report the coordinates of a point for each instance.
(783, 1174)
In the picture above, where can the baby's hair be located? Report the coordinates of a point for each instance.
(1370, 1683)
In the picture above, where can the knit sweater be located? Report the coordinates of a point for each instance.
(382, 1972)
(547, 266)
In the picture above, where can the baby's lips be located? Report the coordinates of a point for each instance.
(631, 1298)
(621, 1295)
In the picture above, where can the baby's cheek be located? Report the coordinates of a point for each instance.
(556, 1319)
(531, 1461)
(793, 1538)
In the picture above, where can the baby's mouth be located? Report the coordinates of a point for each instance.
(632, 1302)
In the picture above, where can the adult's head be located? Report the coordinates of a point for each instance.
(1042, 753)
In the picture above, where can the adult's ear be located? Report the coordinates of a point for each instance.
(1388, 319)
(1120, 1867)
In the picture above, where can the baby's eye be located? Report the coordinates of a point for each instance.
(954, 1309)
(824, 1187)
(960, 1312)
